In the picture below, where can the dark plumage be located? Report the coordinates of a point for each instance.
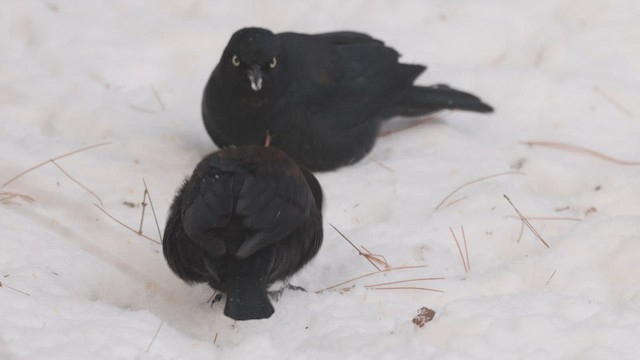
(247, 217)
(322, 98)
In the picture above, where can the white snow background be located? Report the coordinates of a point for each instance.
(78, 73)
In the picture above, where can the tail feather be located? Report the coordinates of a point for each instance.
(247, 298)
(420, 100)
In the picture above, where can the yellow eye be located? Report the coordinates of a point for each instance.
(273, 63)
(235, 61)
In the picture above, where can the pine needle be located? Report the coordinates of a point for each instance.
(158, 98)
(7, 196)
(76, 181)
(404, 281)
(371, 274)
(53, 159)
(383, 165)
(526, 222)
(580, 149)
(371, 258)
(407, 288)
(545, 218)
(466, 250)
(153, 210)
(155, 336)
(613, 101)
(473, 182)
(125, 225)
(464, 263)
(550, 277)
(14, 289)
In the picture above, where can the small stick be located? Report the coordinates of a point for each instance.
(464, 263)
(521, 231)
(14, 289)
(466, 250)
(614, 102)
(404, 281)
(155, 93)
(267, 139)
(475, 181)
(355, 247)
(372, 273)
(154, 336)
(580, 149)
(142, 110)
(55, 158)
(544, 218)
(551, 277)
(380, 259)
(8, 195)
(144, 206)
(153, 210)
(215, 338)
(533, 230)
(76, 181)
(125, 225)
(407, 288)
(456, 201)
(383, 165)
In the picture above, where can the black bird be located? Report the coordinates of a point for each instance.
(322, 98)
(247, 217)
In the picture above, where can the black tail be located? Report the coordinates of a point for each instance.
(246, 298)
(420, 100)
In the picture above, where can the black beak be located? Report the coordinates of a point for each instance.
(255, 77)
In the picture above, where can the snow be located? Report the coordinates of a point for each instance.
(131, 73)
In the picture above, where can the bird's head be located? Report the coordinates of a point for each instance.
(252, 58)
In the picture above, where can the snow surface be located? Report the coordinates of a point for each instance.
(73, 74)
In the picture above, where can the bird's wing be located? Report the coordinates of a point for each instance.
(271, 208)
(208, 207)
(349, 78)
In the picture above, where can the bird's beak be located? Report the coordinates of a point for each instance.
(255, 77)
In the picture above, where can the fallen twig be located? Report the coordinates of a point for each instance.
(371, 258)
(125, 225)
(456, 201)
(464, 263)
(550, 277)
(155, 336)
(142, 110)
(526, 222)
(404, 281)
(371, 274)
(473, 182)
(53, 159)
(7, 196)
(14, 289)
(145, 193)
(383, 165)
(580, 149)
(157, 96)
(545, 218)
(76, 181)
(153, 210)
(407, 288)
(466, 250)
(613, 101)
(267, 139)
